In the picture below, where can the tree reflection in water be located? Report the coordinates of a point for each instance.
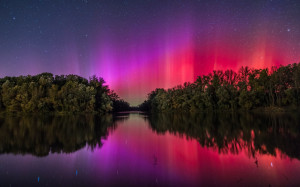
(225, 133)
(40, 136)
(234, 132)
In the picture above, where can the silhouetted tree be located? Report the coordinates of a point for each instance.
(45, 93)
(247, 89)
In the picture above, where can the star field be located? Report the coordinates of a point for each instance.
(137, 46)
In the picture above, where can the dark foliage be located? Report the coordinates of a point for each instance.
(60, 94)
(247, 89)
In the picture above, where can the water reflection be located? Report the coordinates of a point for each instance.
(133, 149)
(226, 132)
(38, 135)
(234, 133)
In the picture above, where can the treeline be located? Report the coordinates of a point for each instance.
(58, 94)
(246, 89)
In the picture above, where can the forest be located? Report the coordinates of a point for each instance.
(274, 89)
(45, 93)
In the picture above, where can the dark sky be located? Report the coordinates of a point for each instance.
(137, 46)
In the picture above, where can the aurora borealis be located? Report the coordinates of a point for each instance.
(137, 46)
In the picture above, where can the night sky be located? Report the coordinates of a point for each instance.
(137, 46)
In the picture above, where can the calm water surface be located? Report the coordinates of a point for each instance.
(133, 149)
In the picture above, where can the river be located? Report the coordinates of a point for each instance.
(136, 149)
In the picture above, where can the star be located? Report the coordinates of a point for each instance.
(14, 18)
(288, 29)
